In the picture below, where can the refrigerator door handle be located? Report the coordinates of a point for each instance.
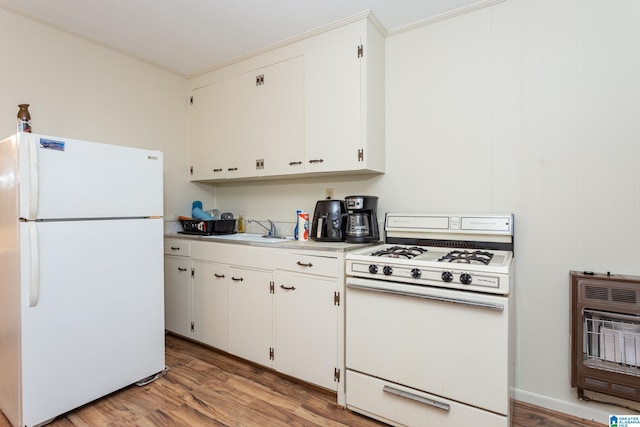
(34, 288)
(33, 179)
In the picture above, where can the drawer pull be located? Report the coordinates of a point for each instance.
(302, 264)
(237, 279)
(312, 161)
(415, 397)
(174, 248)
(219, 276)
(182, 269)
(295, 163)
(288, 288)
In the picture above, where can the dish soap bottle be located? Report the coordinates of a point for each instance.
(240, 223)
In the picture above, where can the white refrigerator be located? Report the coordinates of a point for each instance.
(81, 273)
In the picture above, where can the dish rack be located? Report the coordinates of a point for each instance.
(208, 228)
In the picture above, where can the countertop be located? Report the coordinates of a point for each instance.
(310, 245)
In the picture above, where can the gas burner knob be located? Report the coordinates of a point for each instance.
(465, 278)
(416, 273)
(373, 269)
(388, 271)
(447, 276)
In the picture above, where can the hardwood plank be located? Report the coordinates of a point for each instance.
(528, 415)
(206, 387)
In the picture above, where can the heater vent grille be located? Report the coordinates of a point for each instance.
(596, 292)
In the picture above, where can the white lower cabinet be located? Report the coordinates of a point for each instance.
(309, 317)
(275, 307)
(306, 324)
(209, 303)
(177, 295)
(177, 287)
(251, 315)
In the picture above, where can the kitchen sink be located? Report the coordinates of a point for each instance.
(256, 238)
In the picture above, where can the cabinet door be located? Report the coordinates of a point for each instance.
(207, 131)
(218, 125)
(279, 138)
(177, 295)
(251, 315)
(306, 329)
(210, 304)
(333, 106)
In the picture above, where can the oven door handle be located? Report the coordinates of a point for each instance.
(415, 397)
(486, 305)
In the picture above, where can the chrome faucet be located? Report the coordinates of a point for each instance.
(271, 229)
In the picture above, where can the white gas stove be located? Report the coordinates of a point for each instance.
(428, 321)
(465, 252)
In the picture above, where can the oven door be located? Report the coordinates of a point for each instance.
(451, 344)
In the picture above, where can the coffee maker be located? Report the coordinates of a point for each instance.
(329, 219)
(362, 219)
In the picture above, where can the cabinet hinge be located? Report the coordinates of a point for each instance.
(191, 100)
(336, 298)
(193, 272)
(360, 51)
(190, 170)
(361, 155)
(336, 375)
(260, 80)
(192, 327)
(272, 287)
(271, 353)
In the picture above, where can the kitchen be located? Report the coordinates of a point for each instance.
(523, 106)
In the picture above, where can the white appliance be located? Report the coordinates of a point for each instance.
(428, 321)
(81, 289)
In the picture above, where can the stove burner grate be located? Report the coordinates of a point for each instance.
(466, 257)
(400, 252)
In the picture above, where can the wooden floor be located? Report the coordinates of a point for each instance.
(208, 388)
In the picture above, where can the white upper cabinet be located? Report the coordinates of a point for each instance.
(278, 140)
(344, 100)
(315, 106)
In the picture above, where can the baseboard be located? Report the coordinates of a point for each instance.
(593, 411)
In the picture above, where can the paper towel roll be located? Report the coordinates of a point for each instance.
(303, 226)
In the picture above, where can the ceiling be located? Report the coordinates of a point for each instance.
(191, 36)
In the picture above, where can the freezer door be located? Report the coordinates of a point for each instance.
(63, 178)
(93, 317)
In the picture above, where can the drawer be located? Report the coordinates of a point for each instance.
(398, 405)
(177, 247)
(304, 263)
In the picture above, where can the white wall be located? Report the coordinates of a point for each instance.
(531, 107)
(81, 90)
